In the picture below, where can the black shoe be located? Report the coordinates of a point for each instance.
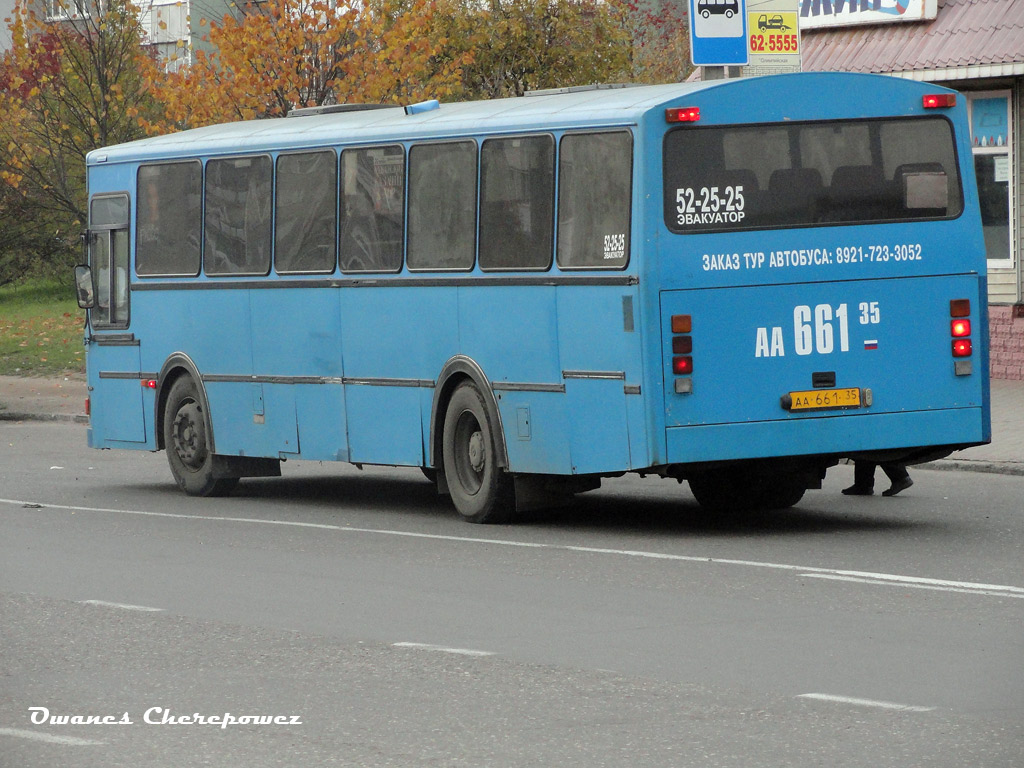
(858, 490)
(897, 486)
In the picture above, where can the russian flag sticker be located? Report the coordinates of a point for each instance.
(870, 343)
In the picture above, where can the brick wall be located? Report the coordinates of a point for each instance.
(1006, 341)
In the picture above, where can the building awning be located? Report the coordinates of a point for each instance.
(968, 39)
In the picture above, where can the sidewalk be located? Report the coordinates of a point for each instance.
(63, 399)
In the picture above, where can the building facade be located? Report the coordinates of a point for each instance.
(173, 28)
(976, 47)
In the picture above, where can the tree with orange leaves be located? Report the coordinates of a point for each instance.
(282, 54)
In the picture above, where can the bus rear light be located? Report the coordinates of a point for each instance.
(682, 345)
(962, 348)
(939, 100)
(681, 324)
(960, 308)
(959, 328)
(682, 115)
(88, 406)
(682, 366)
(149, 383)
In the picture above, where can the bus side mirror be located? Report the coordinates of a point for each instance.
(84, 287)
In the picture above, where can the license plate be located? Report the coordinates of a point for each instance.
(822, 399)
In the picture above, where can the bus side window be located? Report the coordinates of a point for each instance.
(169, 219)
(442, 206)
(517, 203)
(237, 222)
(305, 212)
(372, 209)
(595, 177)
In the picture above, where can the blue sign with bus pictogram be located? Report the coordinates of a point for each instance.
(718, 32)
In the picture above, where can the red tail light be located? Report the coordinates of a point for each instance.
(88, 406)
(682, 366)
(939, 100)
(962, 348)
(960, 330)
(682, 347)
(682, 115)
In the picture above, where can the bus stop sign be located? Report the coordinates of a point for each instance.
(718, 33)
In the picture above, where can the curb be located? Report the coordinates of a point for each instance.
(64, 417)
(978, 465)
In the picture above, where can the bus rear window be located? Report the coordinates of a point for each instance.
(720, 179)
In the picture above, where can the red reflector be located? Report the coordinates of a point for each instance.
(939, 100)
(681, 324)
(962, 348)
(149, 383)
(682, 115)
(682, 365)
(88, 406)
(682, 345)
(960, 327)
(960, 308)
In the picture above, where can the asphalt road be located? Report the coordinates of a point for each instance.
(630, 629)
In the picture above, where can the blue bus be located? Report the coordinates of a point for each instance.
(735, 283)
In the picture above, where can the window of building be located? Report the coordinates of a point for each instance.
(305, 213)
(517, 200)
(372, 209)
(59, 10)
(170, 211)
(165, 29)
(442, 206)
(237, 221)
(595, 186)
(991, 138)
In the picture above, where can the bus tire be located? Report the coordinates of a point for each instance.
(187, 442)
(481, 490)
(782, 492)
(733, 490)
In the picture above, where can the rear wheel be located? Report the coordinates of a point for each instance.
(188, 444)
(733, 489)
(481, 490)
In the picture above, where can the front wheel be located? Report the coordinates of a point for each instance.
(481, 490)
(188, 445)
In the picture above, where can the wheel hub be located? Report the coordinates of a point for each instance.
(476, 452)
(189, 438)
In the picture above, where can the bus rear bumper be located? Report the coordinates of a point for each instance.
(840, 435)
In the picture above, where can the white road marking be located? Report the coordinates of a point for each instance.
(48, 737)
(124, 606)
(995, 592)
(865, 702)
(874, 578)
(442, 649)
